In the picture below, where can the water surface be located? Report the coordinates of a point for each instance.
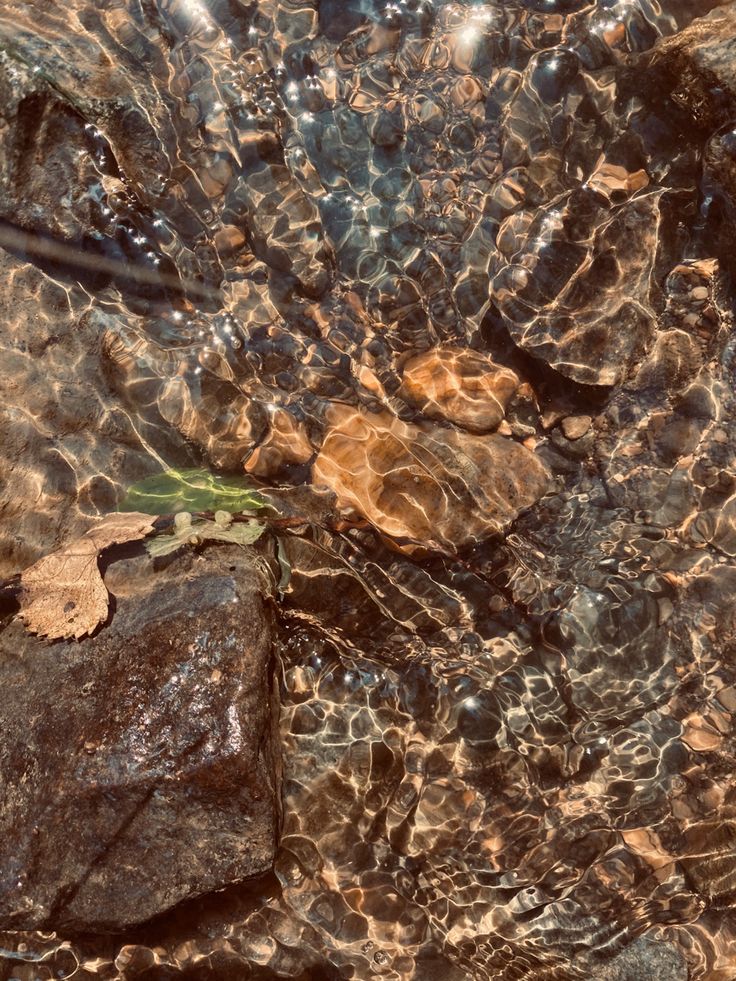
(507, 759)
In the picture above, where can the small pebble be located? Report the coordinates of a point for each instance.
(666, 609)
(576, 426)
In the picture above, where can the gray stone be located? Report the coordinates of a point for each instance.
(139, 768)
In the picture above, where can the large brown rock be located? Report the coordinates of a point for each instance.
(139, 768)
(438, 487)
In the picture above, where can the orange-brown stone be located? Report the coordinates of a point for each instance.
(462, 386)
(437, 487)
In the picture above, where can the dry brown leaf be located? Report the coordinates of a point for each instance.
(63, 594)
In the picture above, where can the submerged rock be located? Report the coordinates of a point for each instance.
(698, 66)
(587, 310)
(460, 385)
(139, 768)
(436, 486)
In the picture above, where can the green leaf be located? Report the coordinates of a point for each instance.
(191, 490)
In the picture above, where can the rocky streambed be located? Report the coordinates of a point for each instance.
(451, 284)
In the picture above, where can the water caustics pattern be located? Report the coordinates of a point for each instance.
(457, 264)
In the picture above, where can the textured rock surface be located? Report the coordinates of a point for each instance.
(698, 68)
(575, 427)
(139, 768)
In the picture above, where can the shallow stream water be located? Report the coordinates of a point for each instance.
(508, 760)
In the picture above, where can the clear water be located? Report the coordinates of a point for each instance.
(503, 764)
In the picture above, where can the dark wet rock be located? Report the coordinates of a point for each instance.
(710, 857)
(323, 567)
(660, 423)
(45, 154)
(522, 413)
(140, 767)
(698, 68)
(61, 175)
(719, 161)
(93, 109)
(573, 449)
(604, 629)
